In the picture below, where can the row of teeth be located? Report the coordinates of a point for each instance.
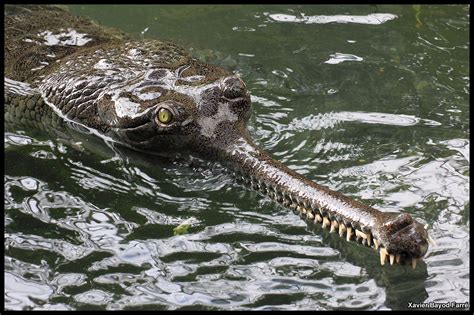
(365, 238)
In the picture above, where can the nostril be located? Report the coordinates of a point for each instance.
(234, 87)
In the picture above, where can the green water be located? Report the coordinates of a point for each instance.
(374, 106)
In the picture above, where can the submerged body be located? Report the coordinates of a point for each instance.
(153, 97)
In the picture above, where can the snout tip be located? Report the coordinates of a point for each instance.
(413, 240)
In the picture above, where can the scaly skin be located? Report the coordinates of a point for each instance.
(104, 80)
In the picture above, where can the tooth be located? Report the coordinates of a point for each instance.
(431, 241)
(342, 229)
(309, 215)
(302, 210)
(376, 243)
(318, 218)
(397, 258)
(413, 262)
(360, 234)
(334, 225)
(349, 234)
(392, 259)
(326, 222)
(383, 255)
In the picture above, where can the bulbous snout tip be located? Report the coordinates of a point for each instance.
(403, 235)
(410, 241)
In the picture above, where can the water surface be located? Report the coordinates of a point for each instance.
(372, 101)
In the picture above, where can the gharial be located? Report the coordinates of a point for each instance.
(152, 96)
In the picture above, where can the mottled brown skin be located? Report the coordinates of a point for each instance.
(117, 86)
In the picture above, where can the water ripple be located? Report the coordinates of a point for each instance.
(370, 19)
(329, 120)
(339, 57)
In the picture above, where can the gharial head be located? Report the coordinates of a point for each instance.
(198, 107)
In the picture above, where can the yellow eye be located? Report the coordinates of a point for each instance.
(164, 115)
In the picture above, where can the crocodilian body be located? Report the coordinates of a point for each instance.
(152, 96)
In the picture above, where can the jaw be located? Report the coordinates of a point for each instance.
(398, 237)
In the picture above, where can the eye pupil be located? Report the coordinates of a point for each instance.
(164, 115)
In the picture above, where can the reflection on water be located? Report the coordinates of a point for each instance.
(370, 19)
(329, 120)
(91, 226)
(338, 58)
